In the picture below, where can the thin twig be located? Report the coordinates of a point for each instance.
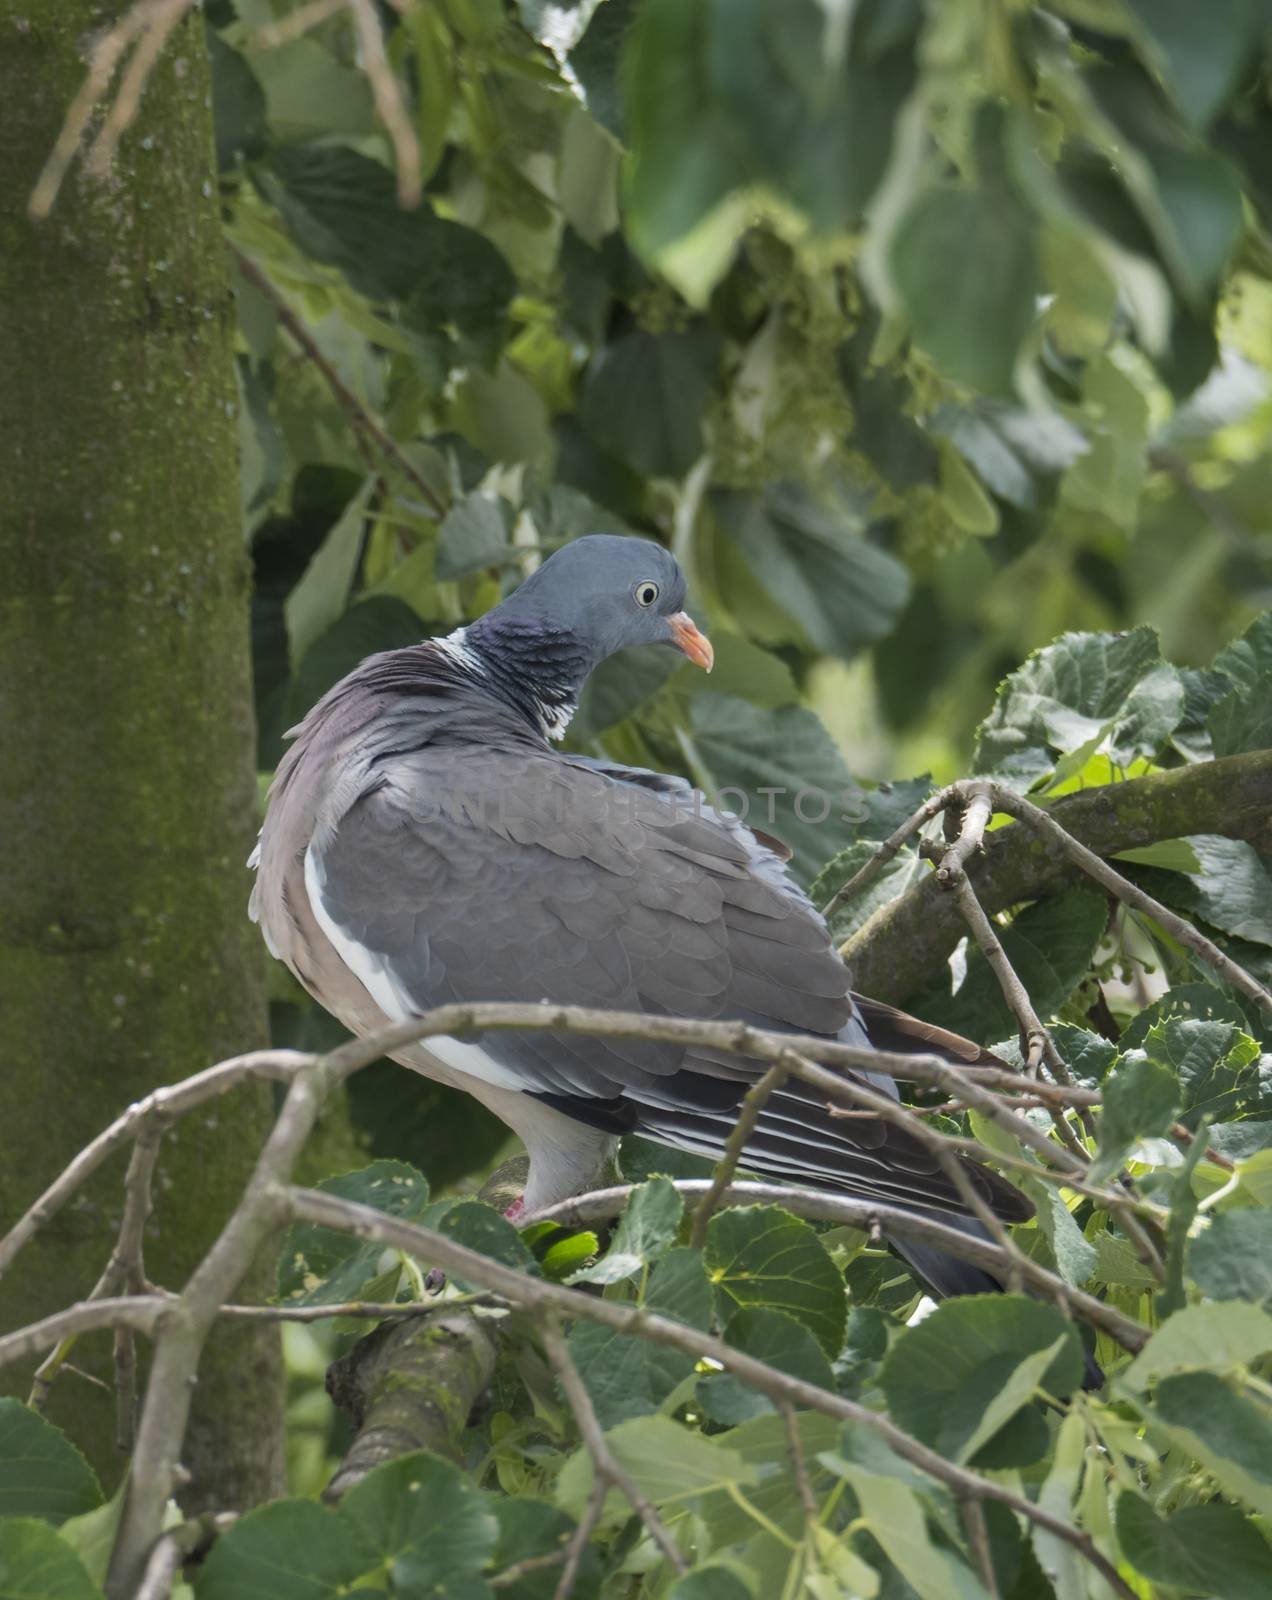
(757, 1097)
(579, 1539)
(1132, 895)
(175, 1548)
(389, 104)
(160, 20)
(298, 23)
(978, 1543)
(364, 423)
(799, 1465)
(171, 1101)
(103, 58)
(143, 1312)
(865, 875)
(539, 1296)
(978, 808)
(606, 1465)
(366, 1310)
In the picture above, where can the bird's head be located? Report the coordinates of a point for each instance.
(606, 592)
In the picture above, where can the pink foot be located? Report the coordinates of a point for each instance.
(515, 1210)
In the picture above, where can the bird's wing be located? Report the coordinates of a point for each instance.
(512, 874)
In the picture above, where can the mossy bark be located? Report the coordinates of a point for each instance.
(127, 797)
(908, 939)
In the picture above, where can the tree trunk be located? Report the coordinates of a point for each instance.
(127, 797)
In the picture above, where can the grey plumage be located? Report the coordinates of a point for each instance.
(424, 843)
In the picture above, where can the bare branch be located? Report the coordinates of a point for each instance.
(865, 875)
(908, 939)
(159, 19)
(869, 1216)
(410, 1386)
(799, 1466)
(391, 108)
(756, 1099)
(579, 1540)
(1132, 895)
(363, 422)
(606, 1465)
(978, 808)
(143, 1312)
(978, 1542)
(539, 1296)
(172, 1101)
(298, 23)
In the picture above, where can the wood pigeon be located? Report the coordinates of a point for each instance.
(425, 843)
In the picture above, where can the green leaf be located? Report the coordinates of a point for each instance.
(477, 533)
(1201, 195)
(763, 1256)
(943, 1377)
(42, 1474)
(620, 686)
(287, 1550)
(35, 1564)
(342, 209)
(678, 1288)
(644, 396)
(626, 1375)
(427, 1520)
(527, 1528)
(710, 1583)
(779, 770)
(1172, 855)
(1232, 1258)
(1231, 888)
(1076, 1258)
(1202, 1336)
(92, 1534)
(1242, 720)
(1106, 687)
(319, 1266)
(776, 1339)
(1088, 1055)
(649, 1223)
(1214, 1063)
(378, 623)
(684, 156)
(903, 872)
(964, 261)
(1211, 1549)
(842, 591)
(894, 1514)
(1248, 658)
(1225, 1431)
(1141, 1097)
(323, 592)
(667, 1461)
(1201, 52)
(308, 94)
(1011, 448)
(595, 62)
(483, 1229)
(238, 105)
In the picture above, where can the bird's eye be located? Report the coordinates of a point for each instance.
(646, 593)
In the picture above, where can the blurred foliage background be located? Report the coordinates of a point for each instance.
(922, 334)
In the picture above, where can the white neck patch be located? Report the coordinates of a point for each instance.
(454, 647)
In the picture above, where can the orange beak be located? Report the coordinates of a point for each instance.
(692, 643)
